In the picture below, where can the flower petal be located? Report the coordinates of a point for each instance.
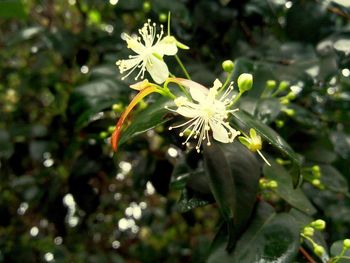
(157, 69)
(134, 45)
(219, 132)
(167, 46)
(187, 112)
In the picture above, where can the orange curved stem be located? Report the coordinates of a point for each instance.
(116, 133)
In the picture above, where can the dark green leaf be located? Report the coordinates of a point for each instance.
(295, 197)
(333, 179)
(270, 237)
(6, 146)
(190, 200)
(233, 173)
(93, 97)
(246, 121)
(337, 248)
(267, 110)
(155, 114)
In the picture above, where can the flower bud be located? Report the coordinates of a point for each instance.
(245, 82)
(271, 84)
(316, 182)
(103, 135)
(272, 184)
(318, 250)
(227, 66)
(319, 224)
(308, 231)
(279, 123)
(163, 17)
(117, 107)
(111, 129)
(146, 6)
(346, 243)
(283, 85)
(289, 112)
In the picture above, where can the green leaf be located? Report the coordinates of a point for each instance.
(333, 179)
(270, 237)
(89, 99)
(304, 117)
(295, 197)
(246, 121)
(267, 110)
(12, 9)
(154, 115)
(190, 200)
(337, 248)
(6, 146)
(233, 173)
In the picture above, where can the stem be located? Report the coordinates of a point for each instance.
(227, 81)
(169, 23)
(341, 255)
(180, 86)
(235, 100)
(182, 67)
(306, 255)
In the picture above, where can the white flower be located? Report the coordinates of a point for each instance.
(150, 48)
(206, 113)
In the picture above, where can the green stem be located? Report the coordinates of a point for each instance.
(180, 86)
(227, 81)
(182, 67)
(235, 99)
(341, 255)
(169, 23)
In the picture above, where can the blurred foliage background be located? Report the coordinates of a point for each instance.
(64, 197)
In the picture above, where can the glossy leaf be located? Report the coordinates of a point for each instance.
(270, 237)
(267, 110)
(155, 114)
(233, 173)
(295, 197)
(333, 179)
(91, 98)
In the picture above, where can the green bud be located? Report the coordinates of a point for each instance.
(279, 123)
(117, 107)
(146, 6)
(227, 66)
(103, 135)
(316, 182)
(284, 101)
(319, 224)
(346, 243)
(318, 250)
(272, 184)
(308, 231)
(271, 84)
(111, 129)
(291, 95)
(316, 171)
(163, 17)
(263, 183)
(289, 112)
(245, 82)
(283, 85)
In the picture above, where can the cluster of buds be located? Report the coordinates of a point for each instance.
(267, 184)
(308, 233)
(313, 175)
